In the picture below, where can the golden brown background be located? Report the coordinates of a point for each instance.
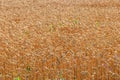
(60, 39)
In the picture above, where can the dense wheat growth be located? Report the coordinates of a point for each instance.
(59, 39)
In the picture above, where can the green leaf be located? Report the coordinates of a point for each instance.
(17, 78)
(76, 21)
(61, 75)
(28, 68)
(52, 28)
(97, 23)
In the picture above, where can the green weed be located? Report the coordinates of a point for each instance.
(17, 78)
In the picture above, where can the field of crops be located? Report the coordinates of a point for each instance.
(59, 39)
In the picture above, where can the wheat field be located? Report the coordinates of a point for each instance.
(59, 39)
